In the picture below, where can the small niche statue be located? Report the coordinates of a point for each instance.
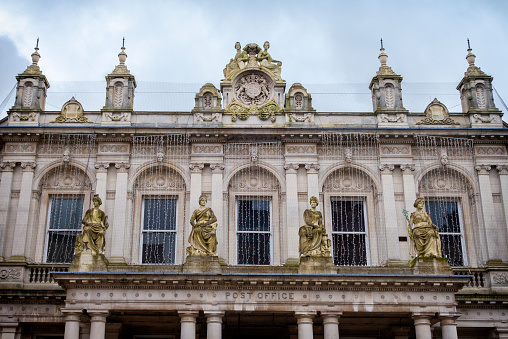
(95, 224)
(202, 239)
(424, 233)
(314, 241)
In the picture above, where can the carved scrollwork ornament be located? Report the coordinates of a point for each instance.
(196, 167)
(502, 169)
(28, 166)
(8, 166)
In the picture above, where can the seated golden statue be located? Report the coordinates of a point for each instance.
(202, 239)
(265, 60)
(424, 233)
(238, 62)
(95, 224)
(314, 241)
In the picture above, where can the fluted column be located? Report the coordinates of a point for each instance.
(313, 181)
(8, 330)
(218, 206)
(214, 324)
(195, 185)
(188, 324)
(101, 169)
(331, 325)
(5, 197)
(503, 178)
(448, 326)
(23, 213)
(492, 231)
(120, 214)
(72, 319)
(98, 323)
(292, 214)
(422, 325)
(390, 215)
(305, 323)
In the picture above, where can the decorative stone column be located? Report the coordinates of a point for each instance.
(214, 324)
(292, 214)
(7, 169)
(503, 178)
(23, 213)
(98, 323)
(448, 326)
(72, 319)
(8, 330)
(120, 214)
(331, 324)
(305, 322)
(492, 233)
(188, 324)
(218, 206)
(390, 217)
(313, 182)
(195, 185)
(101, 169)
(422, 325)
(408, 181)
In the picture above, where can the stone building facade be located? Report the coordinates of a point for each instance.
(258, 152)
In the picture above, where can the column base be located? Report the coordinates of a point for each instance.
(316, 265)
(87, 262)
(202, 264)
(18, 259)
(430, 266)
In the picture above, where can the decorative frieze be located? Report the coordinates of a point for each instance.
(490, 150)
(198, 117)
(20, 148)
(396, 150)
(10, 274)
(206, 149)
(500, 278)
(113, 148)
(301, 149)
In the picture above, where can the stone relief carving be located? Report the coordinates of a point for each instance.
(10, 273)
(437, 114)
(20, 148)
(113, 148)
(160, 157)
(66, 156)
(500, 278)
(167, 180)
(207, 149)
(72, 111)
(16, 116)
(301, 149)
(264, 112)
(444, 158)
(65, 179)
(303, 118)
(392, 118)
(255, 182)
(28, 94)
(389, 96)
(125, 116)
(491, 150)
(348, 155)
(481, 98)
(395, 150)
(347, 181)
(118, 95)
(438, 183)
(202, 117)
(238, 62)
(479, 119)
(266, 61)
(253, 88)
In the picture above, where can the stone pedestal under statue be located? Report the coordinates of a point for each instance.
(316, 265)
(202, 264)
(88, 262)
(426, 265)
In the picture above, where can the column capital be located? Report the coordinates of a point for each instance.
(502, 169)
(28, 166)
(72, 315)
(448, 318)
(303, 315)
(188, 314)
(331, 317)
(483, 169)
(7, 166)
(407, 168)
(421, 318)
(386, 168)
(291, 168)
(217, 167)
(312, 168)
(196, 167)
(98, 315)
(122, 167)
(102, 167)
(214, 316)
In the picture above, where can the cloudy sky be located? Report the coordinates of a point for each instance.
(319, 42)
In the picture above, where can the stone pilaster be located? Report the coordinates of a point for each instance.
(101, 169)
(408, 181)
(188, 324)
(214, 324)
(492, 232)
(292, 214)
(120, 214)
(422, 325)
(7, 169)
(331, 324)
(218, 206)
(72, 320)
(305, 323)
(503, 178)
(195, 189)
(23, 213)
(313, 181)
(448, 326)
(98, 323)
(390, 215)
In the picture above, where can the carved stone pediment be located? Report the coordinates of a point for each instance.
(437, 114)
(72, 111)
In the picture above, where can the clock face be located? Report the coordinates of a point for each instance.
(253, 88)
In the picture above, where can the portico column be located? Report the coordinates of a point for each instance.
(487, 203)
(120, 214)
(448, 326)
(313, 181)
(503, 178)
(292, 215)
(390, 215)
(100, 188)
(331, 325)
(98, 323)
(218, 205)
(188, 324)
(304, 320)
(9, 330)
(214, 324)
(23, 213)
(195, 185)
(72, 319)
(422, 326)
(5, 197)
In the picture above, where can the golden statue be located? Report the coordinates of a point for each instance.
(424, 233)
(314, 241)
(202, 239)
(95, 224)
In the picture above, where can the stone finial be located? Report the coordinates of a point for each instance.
(383, 57)
(470, 57)
(122, 56)
(36, 56)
